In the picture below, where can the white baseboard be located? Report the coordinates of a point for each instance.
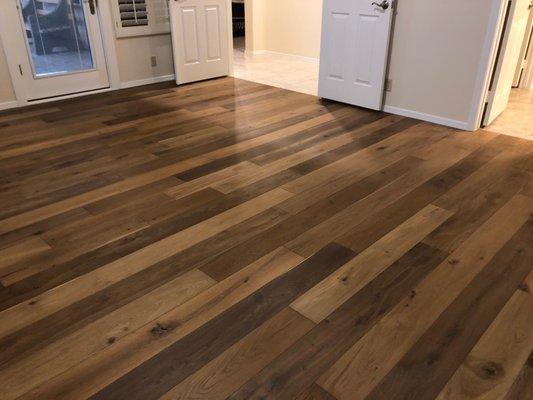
(295, 56)
(8, 104)
(148, 81)
(453, 123)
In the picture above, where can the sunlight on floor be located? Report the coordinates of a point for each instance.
(517, 119)
(285, 71)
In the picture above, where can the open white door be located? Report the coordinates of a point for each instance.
(354, 50)
(506, 60)
(200, 30)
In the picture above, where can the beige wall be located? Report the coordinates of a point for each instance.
(436, 53)
(286, 26)
(7, 93)
(134, 55)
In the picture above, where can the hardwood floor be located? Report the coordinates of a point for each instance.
(232, 240)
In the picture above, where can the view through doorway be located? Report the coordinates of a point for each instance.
(287, 71)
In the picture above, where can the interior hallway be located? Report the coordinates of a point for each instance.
(285, 71)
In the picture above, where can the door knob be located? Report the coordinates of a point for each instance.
(384, 4)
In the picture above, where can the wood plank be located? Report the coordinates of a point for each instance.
(39, 214)
(226, 373)
(21, 251)
(233, 259)
(342, 222)
(71, 350)
(293, 373)
(382, 222)
(404, 325)
(134, 349)
(188, 355)
(330, 293)
(40, 306)
(83, 312)
(523, 385)
(430, 363)
(497, 359)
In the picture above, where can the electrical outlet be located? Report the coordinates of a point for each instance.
(153, 60)
(388, 85)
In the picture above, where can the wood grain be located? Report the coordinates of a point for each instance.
(226, 239)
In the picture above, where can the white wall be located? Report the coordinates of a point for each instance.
(285, 26)
(436, 53)
(133, 55)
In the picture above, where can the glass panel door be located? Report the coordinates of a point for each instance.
(56, 47)
(56, 36)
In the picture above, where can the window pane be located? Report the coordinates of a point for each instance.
(56, 31)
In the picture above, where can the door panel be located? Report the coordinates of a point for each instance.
(364, 46)
(200, 39)
(212, 16)
(507, 59)
(334, 63)
(190, 29)
(58, 45)
(354, 49)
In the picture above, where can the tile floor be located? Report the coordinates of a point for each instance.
(285, 71)
(517, 119)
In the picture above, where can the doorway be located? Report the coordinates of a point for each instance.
(509, 98)
(58, 46)
(277, 42)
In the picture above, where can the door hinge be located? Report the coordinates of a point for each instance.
(20, 69)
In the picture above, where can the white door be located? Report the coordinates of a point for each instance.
(200, 30)
(354, 51)
(57, 44)
(507, 59)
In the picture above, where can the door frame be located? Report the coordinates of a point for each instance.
(105, 18)
(488, 62)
